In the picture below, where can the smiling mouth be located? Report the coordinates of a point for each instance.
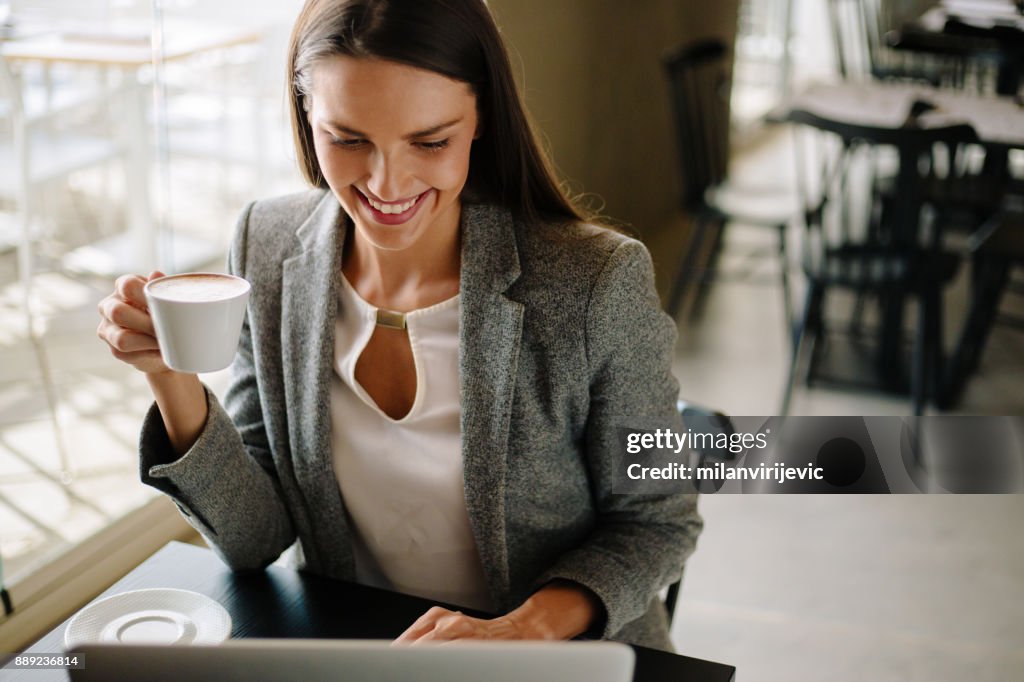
(394, 211)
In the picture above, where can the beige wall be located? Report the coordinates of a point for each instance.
(594, 84)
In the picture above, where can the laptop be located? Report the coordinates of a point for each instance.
(287, 660)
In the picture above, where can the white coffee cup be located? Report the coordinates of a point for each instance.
(198, 318)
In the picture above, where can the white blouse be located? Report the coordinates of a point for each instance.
(402, 479)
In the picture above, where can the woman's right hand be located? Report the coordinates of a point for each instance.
(127, 328)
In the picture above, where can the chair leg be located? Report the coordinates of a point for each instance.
(936, 361)
(787, 303)
(993, 288)
(807, 325)
(715, 240)
(857, 317)
(686, 276)
(890, 355)
(925, 343)
(990, 279)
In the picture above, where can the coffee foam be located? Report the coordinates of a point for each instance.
(198, 288)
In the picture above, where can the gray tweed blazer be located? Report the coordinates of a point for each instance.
(561, 330)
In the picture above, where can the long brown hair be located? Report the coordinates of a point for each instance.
(457, 39)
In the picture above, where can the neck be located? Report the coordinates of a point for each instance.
(409, 279)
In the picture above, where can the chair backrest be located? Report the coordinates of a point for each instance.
(909, 136)
(694, 411)
(699, 87)
(838, 204)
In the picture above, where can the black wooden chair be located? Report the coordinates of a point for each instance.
(969, 195)
(997, 249)
(863, 54)
(901, 257)
(699, 87)
(692, 411)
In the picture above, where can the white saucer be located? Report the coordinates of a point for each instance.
(157, 616)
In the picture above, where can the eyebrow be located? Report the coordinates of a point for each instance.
(426, 132)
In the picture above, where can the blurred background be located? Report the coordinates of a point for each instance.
(132, 133)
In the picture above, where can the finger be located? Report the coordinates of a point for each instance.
(130, 289)
(137, 358)
(156, 274)
(413, 633)
(423, 624)
(128, 341)
(451, 628)
(128, 316)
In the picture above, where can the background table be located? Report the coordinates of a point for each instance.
(988, 29)
(282, 603)
(998, 121)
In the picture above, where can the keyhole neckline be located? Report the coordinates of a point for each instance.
(372, 312)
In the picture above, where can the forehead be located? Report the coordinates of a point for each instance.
(369, 93)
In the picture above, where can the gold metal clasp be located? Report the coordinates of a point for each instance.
(390, 319)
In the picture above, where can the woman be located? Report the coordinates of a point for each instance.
(434, 350)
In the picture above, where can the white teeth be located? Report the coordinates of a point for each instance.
(392, 209)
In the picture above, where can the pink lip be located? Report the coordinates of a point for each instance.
(392, 218)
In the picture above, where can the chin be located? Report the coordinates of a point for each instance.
(392, 237)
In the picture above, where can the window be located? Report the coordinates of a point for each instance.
(136, 131)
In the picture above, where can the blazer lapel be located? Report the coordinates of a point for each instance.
(309, 301)
(490, 331)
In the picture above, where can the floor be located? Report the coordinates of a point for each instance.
(901, 587)
(785, 588)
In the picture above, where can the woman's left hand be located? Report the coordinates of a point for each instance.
(439, 625)
(559, 610)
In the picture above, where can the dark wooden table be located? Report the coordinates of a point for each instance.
(282, 603)
(967, 30)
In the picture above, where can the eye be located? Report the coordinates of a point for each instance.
(347, 143)
(435, 146)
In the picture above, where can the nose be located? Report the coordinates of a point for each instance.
(389, 179)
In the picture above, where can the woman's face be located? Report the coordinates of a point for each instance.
(393, 143)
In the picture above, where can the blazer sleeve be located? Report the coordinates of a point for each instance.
(639, 542)
(226, 485)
